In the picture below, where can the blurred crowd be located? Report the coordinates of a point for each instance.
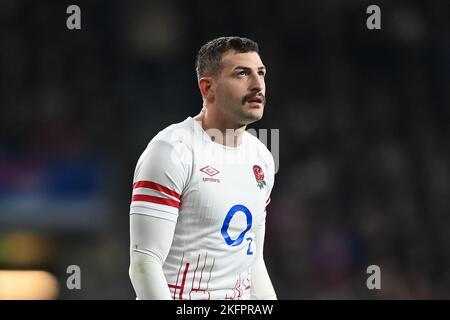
(364, 171)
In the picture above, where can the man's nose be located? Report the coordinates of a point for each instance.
(257, 83)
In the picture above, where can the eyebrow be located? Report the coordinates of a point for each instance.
(247, 68)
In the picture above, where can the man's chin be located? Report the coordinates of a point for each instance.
(252, 116)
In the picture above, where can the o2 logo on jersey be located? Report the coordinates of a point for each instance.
(235, 242)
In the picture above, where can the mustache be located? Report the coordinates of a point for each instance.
(251, 96)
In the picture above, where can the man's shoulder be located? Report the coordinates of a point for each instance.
(257, 144)
(169, 146)
(174, 134)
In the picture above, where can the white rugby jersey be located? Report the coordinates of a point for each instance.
(217, 197)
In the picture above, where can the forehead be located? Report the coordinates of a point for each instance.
(232, 59)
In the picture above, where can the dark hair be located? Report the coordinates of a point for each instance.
(209, 56)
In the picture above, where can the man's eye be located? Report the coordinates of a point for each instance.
(262, 73)
(242, 73)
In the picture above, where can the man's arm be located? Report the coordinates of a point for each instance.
(157, 187)
(262, 288)
(150, 240)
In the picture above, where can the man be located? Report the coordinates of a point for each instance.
(200, 191)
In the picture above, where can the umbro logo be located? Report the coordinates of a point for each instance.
(210, 171)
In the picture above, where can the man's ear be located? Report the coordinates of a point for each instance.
(205, 84)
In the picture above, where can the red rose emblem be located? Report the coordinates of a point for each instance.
(259, 174)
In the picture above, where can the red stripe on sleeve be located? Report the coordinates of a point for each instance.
(157, 187)
(158, 200)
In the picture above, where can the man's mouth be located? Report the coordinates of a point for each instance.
(259, 99)
(256, 99)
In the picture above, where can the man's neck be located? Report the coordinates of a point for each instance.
(213, 123)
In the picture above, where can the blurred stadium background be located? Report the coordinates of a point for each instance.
(364, 174)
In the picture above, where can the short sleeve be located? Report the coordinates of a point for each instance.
(270, 175)
(161, 175)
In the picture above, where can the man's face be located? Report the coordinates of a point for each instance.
(240, 88)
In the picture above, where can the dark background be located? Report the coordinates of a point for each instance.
(364, 174)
